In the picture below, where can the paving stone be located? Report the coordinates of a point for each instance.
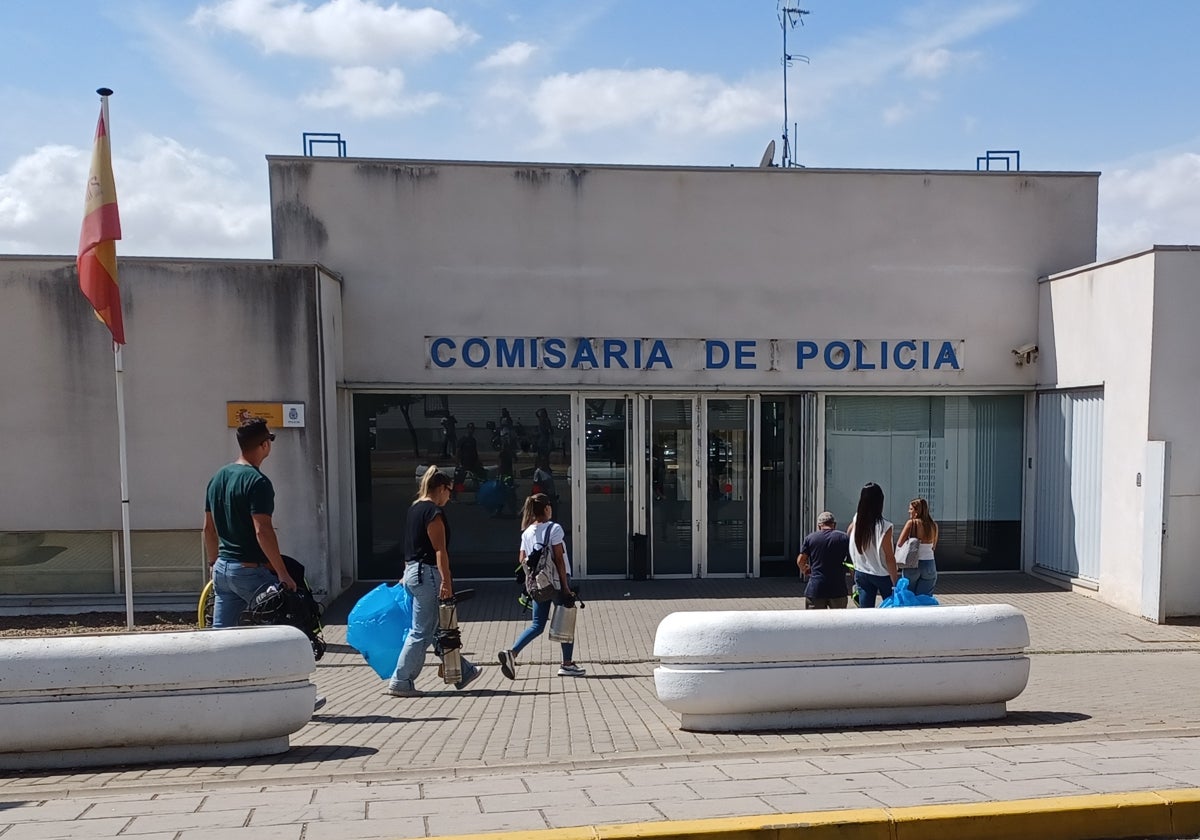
(704, 808)
(430, 764)
(53, 830)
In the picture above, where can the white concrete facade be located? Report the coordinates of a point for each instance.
(200, 333)
(1128, 326)
(500, 253)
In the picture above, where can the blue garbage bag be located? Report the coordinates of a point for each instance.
(379, 624)
(491, 495)
(902, 596)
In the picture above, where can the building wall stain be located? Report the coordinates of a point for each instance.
(398, 174)
(296, 232)
(543, 176)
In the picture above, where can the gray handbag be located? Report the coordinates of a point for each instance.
(906, 553)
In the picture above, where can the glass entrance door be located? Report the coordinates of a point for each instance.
(669, 483)
(670, 486)
(729, 483)
(608, 483)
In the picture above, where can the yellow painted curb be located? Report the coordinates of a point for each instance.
(1162, 813)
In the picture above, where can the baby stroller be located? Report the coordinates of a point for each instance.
(275, 605)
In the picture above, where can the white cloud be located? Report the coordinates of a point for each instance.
(930, 64)
(669, 101)
(174, 201)
(921, 48)
(896, 114)
(368, 92)
(514, 55)
(1155, 204)
(338, 29)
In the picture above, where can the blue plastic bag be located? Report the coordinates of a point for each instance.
(902, 596)
(378, 626)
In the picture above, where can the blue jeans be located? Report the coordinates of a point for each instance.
(422, 582)
(871, 585)
(235, 586)
(922, 578)
(541, 617)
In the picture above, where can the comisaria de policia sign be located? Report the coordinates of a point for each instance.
(651, 354)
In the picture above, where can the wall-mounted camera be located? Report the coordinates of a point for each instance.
(1026, 354)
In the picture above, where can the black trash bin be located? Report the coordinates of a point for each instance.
(639, 557)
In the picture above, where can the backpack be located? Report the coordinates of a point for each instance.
(539, 569)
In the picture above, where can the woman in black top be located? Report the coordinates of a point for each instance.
(427, 578)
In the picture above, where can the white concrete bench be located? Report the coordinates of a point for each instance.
(762, 670)
(133, 698)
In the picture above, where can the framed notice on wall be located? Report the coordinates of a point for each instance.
(277, 415)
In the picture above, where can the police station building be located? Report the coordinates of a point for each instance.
(693, 362)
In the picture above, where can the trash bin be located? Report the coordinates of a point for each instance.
(639, 557)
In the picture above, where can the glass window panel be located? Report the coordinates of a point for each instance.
(607, 483)
(499, 448)
(167, 562)
(728, 485)
(670, 497)
(965, 460)
(57, 562)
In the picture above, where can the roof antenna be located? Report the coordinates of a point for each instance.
(789, 16)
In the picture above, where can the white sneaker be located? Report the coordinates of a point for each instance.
(571, 670)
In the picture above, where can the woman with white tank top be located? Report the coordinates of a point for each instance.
(921, 525)
(871, 548)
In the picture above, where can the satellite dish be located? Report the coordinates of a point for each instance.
(768, 158)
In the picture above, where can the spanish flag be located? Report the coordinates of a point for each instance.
(97, 260)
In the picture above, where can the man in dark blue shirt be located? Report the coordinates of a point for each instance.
(821, 558)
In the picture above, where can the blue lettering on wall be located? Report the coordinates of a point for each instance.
(584, 354)
(614, 351)
(435, 353)
(859, 362)
(837, 355)
(485, 352)
(946, 356)
(554, 353)
(805, 350)
(510, 356)
(744, 350)
(716, 354)
(658, 355)
(524, 353)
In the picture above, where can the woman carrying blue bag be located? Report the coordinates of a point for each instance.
(427, 578)
(378, 626)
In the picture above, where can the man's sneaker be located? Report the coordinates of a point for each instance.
(571, 670)
(319, 703)
(508, 664)
(401, 690)
(469, 677)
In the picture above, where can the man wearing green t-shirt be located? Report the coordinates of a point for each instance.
(239, 540)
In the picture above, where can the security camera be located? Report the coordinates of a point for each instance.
(1026, 354)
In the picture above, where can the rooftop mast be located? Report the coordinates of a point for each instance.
(789, 17)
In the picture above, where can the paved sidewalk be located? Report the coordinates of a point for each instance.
(1110, 707)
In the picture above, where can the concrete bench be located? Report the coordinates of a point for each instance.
(776, 669)
(134, 698)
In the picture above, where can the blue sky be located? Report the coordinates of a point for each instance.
(205, 90)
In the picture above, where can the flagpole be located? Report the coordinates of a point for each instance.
(119, 365)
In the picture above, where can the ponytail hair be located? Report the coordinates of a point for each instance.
(534, 509)
(432, 480)
(868, 517)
